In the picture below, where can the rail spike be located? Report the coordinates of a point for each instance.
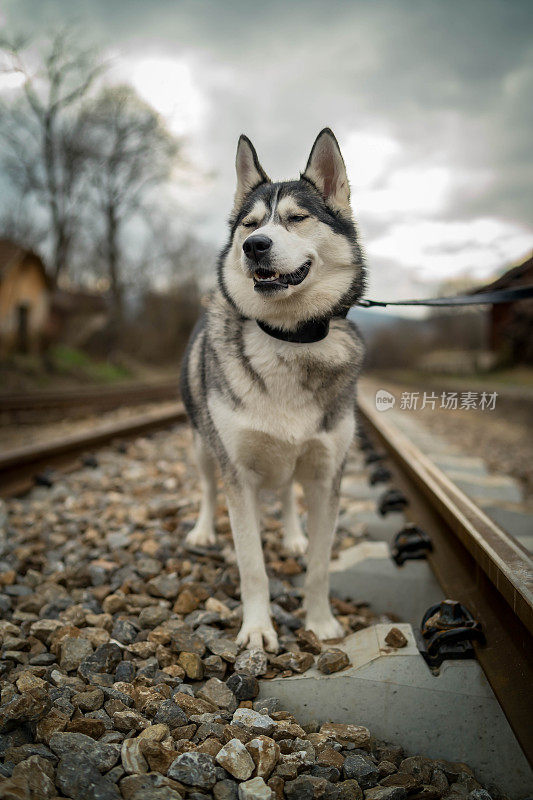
(410, 544)
(446, 633)
(392, 500)
(379, 474)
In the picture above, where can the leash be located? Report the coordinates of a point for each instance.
(316, 330)
(480, 298)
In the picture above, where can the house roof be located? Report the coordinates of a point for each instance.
(517, 276)
(11, 252)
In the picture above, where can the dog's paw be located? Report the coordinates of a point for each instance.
(295, 544)
(325, 627)
(201, 536)
(258, 637)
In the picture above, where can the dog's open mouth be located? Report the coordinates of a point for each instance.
(268, 280)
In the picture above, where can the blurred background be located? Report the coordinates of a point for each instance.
(118, 128)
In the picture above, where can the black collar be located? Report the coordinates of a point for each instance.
(307, 332)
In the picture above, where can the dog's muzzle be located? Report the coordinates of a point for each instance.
(267, 279)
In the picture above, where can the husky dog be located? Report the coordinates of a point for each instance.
(269, 376)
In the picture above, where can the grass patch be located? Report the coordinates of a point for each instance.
(71, 361)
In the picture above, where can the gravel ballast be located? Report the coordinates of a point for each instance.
(119, 672)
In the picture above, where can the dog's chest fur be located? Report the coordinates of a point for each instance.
(273, 407)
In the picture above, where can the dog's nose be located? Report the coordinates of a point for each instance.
(256, 247)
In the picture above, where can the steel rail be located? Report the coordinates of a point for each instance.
(20, 466)
(475, 562)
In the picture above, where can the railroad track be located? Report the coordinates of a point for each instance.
(475, 563)
(29, 406)
(20, 468)
(467, 558)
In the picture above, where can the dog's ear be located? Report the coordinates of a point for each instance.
(250, 173)
(327, 172)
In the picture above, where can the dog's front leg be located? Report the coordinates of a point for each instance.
(257, 630)
(322, 499)
(294, 539)
(203, 533)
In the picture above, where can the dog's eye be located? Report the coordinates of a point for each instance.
(298, 217)
(250, 224)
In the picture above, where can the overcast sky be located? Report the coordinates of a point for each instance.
(431, 100)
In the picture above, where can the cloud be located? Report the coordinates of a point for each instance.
(430, 100)
(437, 250)
(168, 84)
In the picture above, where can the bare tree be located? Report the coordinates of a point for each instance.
(42, 132)
(132, 152)
(18, 224)
(171, 255)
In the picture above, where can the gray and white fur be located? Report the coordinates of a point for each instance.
(270, 411)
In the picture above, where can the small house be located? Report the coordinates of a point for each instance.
(511, 324)
(24, 299)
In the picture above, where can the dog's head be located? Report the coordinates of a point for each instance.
(293, 253)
